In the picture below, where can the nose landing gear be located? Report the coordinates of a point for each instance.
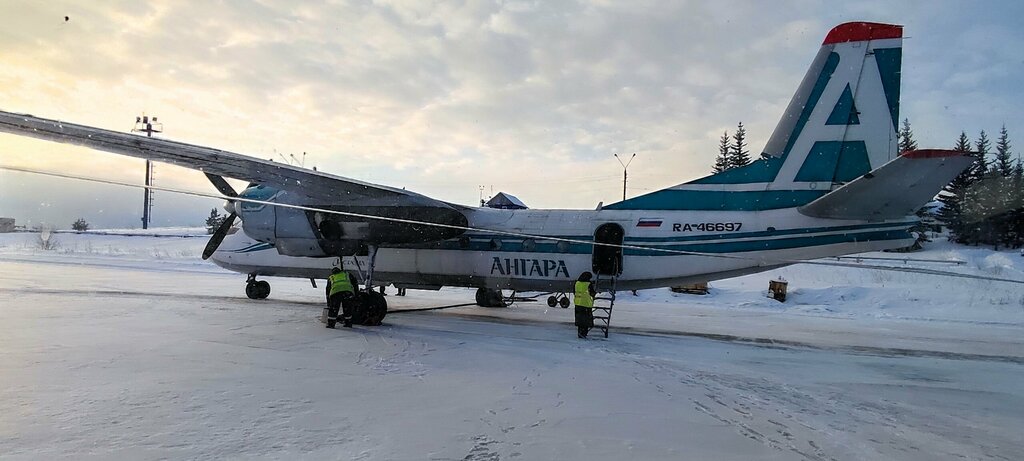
(256, 289)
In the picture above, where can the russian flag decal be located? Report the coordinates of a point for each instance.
(648, 222)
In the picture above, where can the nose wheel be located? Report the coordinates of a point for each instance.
(256, 289)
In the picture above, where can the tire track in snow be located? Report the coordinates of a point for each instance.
(656, 332)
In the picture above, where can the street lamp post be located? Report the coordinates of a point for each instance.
(624, 167)
(148, 125)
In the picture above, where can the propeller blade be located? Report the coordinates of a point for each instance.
(218, 236)
(222, 185)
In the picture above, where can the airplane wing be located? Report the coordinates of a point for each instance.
(315, 184)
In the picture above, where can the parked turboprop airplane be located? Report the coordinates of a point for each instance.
(829, 182)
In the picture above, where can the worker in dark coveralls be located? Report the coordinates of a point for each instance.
(584, 300)
(340, 294)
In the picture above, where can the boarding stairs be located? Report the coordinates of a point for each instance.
(603, 303)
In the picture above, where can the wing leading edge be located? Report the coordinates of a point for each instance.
(315, 184)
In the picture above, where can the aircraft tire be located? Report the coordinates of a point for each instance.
(376, 309)
(495, 299)
(251, 290)
(552, 301)
(361, 307)
(263, 289)
(486, 297)
(564, 302)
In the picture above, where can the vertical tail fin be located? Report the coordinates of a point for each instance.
(840, 124)
(842, 121)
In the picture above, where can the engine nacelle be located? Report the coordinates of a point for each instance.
(297, 232)
(288, 229)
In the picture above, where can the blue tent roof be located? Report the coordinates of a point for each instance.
(506, 202)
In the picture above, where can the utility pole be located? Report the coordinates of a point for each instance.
(624, 167)
(145, 124)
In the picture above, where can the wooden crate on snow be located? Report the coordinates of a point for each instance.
(700, 288)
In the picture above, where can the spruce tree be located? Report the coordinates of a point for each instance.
(906, 137)
(1006, 196)
(1016, 225)
(981, 147)
(739, 156)
(981, 200)
(722, 159)
(906, 144)
(1003, 163)
(80, 225)
(214, 221)
(952, 196)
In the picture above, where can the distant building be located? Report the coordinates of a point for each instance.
(6, 225)
(506, 202)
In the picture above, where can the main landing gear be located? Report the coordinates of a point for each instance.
(370, 307)
(487, 297)
(256, 289)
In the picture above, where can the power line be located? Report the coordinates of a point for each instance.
(761, 261)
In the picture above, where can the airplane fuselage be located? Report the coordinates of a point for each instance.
(656, 253)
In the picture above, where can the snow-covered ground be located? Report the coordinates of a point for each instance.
(131, 347)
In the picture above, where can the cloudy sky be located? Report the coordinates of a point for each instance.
(527, 97)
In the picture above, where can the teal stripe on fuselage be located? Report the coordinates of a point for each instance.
(631, 239)
(253, 247)
(775, 244)
(708, 200)
(761, 240)
(774, 233)
(761, 170)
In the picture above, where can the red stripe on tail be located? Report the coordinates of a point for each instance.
(862, 31)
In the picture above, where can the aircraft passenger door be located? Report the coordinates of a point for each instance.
(607, 260)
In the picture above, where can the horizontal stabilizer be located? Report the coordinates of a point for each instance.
(894, 190)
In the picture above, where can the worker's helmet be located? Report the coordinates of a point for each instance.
(335, 270)
(586, 276)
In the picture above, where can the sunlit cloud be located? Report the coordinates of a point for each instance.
(532, 98)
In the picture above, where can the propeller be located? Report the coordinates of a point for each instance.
(218, 236)
(222, 185)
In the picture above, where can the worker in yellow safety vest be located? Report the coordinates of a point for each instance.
(584, 300)
(341, 293)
